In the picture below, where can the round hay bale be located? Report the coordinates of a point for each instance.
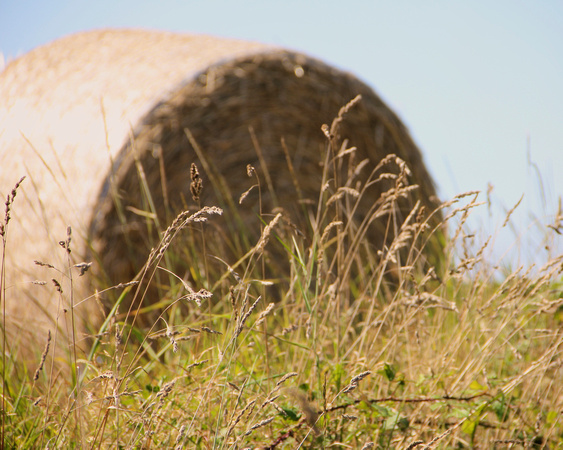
(84, 116)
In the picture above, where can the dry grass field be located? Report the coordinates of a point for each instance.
(307, 339)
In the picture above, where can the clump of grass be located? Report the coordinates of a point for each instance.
(352, 345)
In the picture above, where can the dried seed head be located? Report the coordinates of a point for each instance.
(360, 377)
(244, 318)
(210, 331)
(107, 375)
(266, 234)
(270, 401)
(245, 194)
(198, 297)
(289, 329)
(181, 221)
(9, 201)
(83, 266)
(166, 389)
(170, 335)
(509, 213)
(43, 357)
(263, 314)
(282, 380)
(66, 244)
(354, 382)
(349, 417)
(58, 286)
(196, 364)
(286, 377)
(260, 424)
(349, 388)
(414, 444)
(233, 299)
(118, 336)
(181, 433)
(249, 407)
(326, 131)
(196, 185)
(328, 228)
(42, 264)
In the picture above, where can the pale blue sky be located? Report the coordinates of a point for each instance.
(472, 80)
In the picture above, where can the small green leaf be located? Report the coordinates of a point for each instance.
(396, 421)
(401, 379)
(459, 413)
(469, 426)
(388, 371)
(403, 423)
(366, 407)
(383, 411)
(476, 386)
(290, 414)
(501, 409)
(551, 417)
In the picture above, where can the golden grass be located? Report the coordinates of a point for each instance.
(353, 347)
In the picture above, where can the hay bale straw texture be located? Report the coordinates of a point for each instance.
(79, 116)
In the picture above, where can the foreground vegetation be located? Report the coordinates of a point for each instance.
(346, 346)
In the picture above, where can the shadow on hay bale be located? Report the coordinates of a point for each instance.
(107, 106)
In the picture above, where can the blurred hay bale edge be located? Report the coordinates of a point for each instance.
(70, 108)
